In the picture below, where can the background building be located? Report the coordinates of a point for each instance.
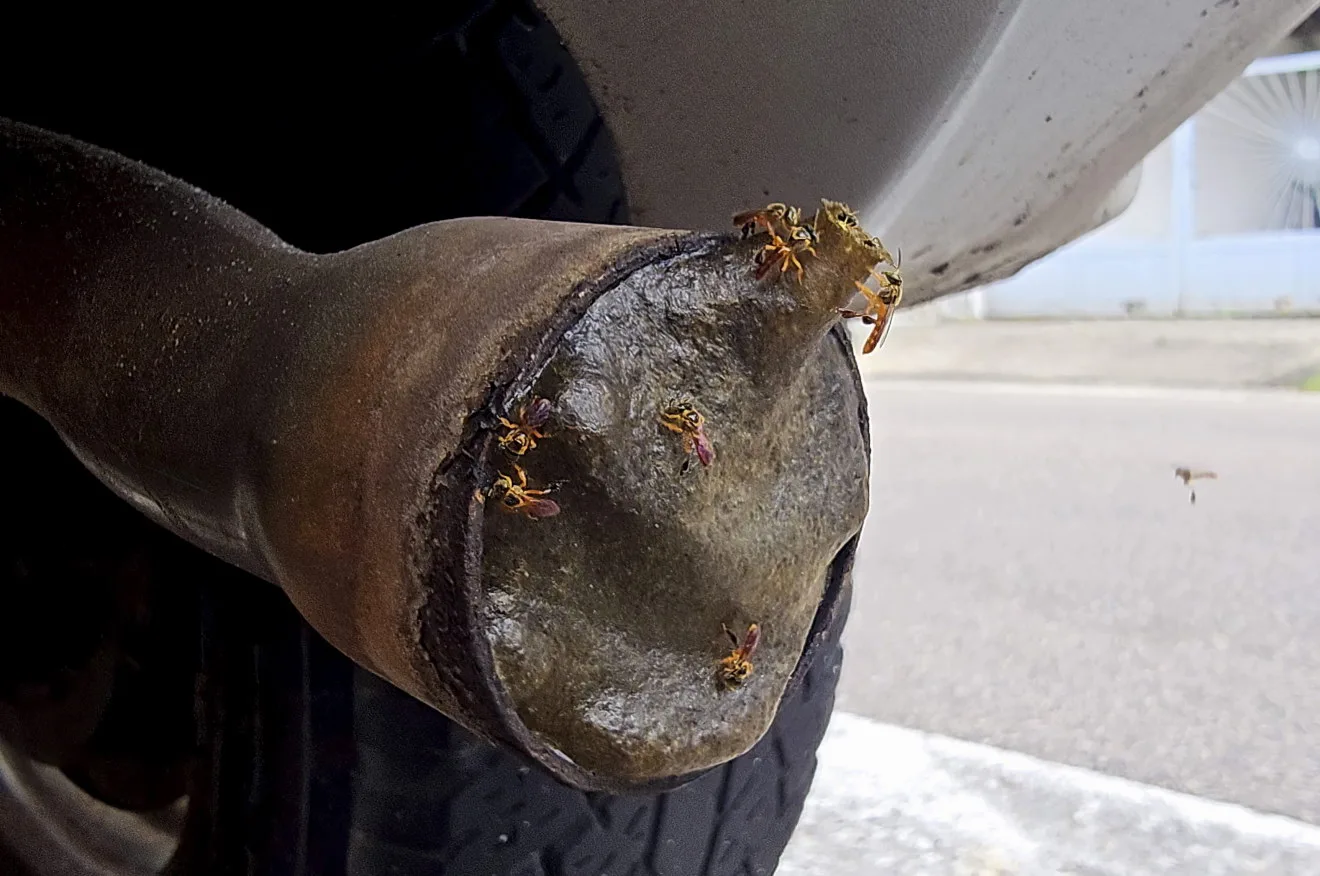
(1225, 221)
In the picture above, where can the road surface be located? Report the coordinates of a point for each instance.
(1033, 577)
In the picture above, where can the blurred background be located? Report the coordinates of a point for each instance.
(1057, 662)
(1223, 222)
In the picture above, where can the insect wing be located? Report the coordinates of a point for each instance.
(880, 332)
(767, 263)
(752, 219)
(753, 639)
(541, 508)
(705, 450)
(748, 218)
(538, 412)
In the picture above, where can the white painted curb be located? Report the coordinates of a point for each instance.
(887, 800)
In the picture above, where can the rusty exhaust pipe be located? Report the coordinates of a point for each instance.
(347, 427)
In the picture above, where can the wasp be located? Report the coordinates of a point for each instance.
(801, 240)
(1187, 475)
(737, 666)
(881, 253)
(880, 305)
(790, 238)
(767, 219)
(845, 216)
(683, 418)
(518, 498)
(523, 435)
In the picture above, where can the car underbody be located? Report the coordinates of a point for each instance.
(977, 136)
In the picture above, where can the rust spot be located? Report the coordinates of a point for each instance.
(940, 268)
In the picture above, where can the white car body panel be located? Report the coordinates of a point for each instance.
(975, 135)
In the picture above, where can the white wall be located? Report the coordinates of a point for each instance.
(1207, 251)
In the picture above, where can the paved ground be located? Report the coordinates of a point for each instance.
(1033, 577)
(1260, 352)
(903, 803)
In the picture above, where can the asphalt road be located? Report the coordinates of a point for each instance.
(1033, 577)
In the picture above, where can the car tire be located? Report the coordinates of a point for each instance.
(306, 763)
